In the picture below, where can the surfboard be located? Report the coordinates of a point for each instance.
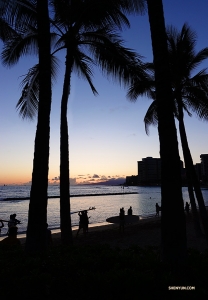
(90, 208)
(9, 221)
(128, 219)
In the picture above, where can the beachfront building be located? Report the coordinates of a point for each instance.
(204, 168)
(149, 171)
(132, 180)
(197, 167)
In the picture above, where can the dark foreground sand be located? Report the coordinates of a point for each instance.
(144, 233)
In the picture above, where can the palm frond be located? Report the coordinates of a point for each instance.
(83, 67)
(19, 45)
(199, 58)
(28, 102)
(151, 117)
(19, 13)
(111, 56)
(142, 85)
(6, 31)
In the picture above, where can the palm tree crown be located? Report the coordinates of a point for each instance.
(189, 90)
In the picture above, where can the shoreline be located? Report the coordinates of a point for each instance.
(144, 233)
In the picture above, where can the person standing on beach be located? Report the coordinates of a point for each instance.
(122, 219)
(12, 222)
(130, 212)
(157, 210)
(82, 222)
(85, 221)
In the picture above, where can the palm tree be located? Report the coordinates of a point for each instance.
(173, 232)
(190, 93)
(36, 236)
(15, 12)
(87, 40)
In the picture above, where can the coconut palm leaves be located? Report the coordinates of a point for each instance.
(190, 95)
(28, 102)
(191, 91)
(89, 40)
(86, 44)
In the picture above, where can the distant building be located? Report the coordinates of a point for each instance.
(197, 167)
(204, 168)
(149, 171)
(132, 180)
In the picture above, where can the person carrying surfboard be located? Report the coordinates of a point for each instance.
(12, 222)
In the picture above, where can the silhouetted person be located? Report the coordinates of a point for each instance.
(122, 219)
(2, 225)
(130, 212)
(13, 221)
(158, 208)
(82, 222)
(85, 221)
(187, 207)
(12, 239)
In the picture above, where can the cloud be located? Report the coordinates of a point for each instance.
(103, 177)
(95, 176)
(56, 178)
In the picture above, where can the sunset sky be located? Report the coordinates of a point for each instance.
(106, 132)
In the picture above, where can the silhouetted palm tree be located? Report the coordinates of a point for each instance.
(87, 41)
(19, 15)
(190, 93)
(36, 230)
(173, 231)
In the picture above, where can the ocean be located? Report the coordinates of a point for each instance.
(82, 197)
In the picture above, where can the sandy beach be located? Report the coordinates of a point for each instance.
(144, 233)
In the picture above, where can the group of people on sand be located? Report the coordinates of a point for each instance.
(83, 221)
(122, 217)
(158, 208)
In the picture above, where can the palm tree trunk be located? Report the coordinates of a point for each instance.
(65, 216)
(173, 225)
(186, 155)
(37, 216)
(192, 173)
